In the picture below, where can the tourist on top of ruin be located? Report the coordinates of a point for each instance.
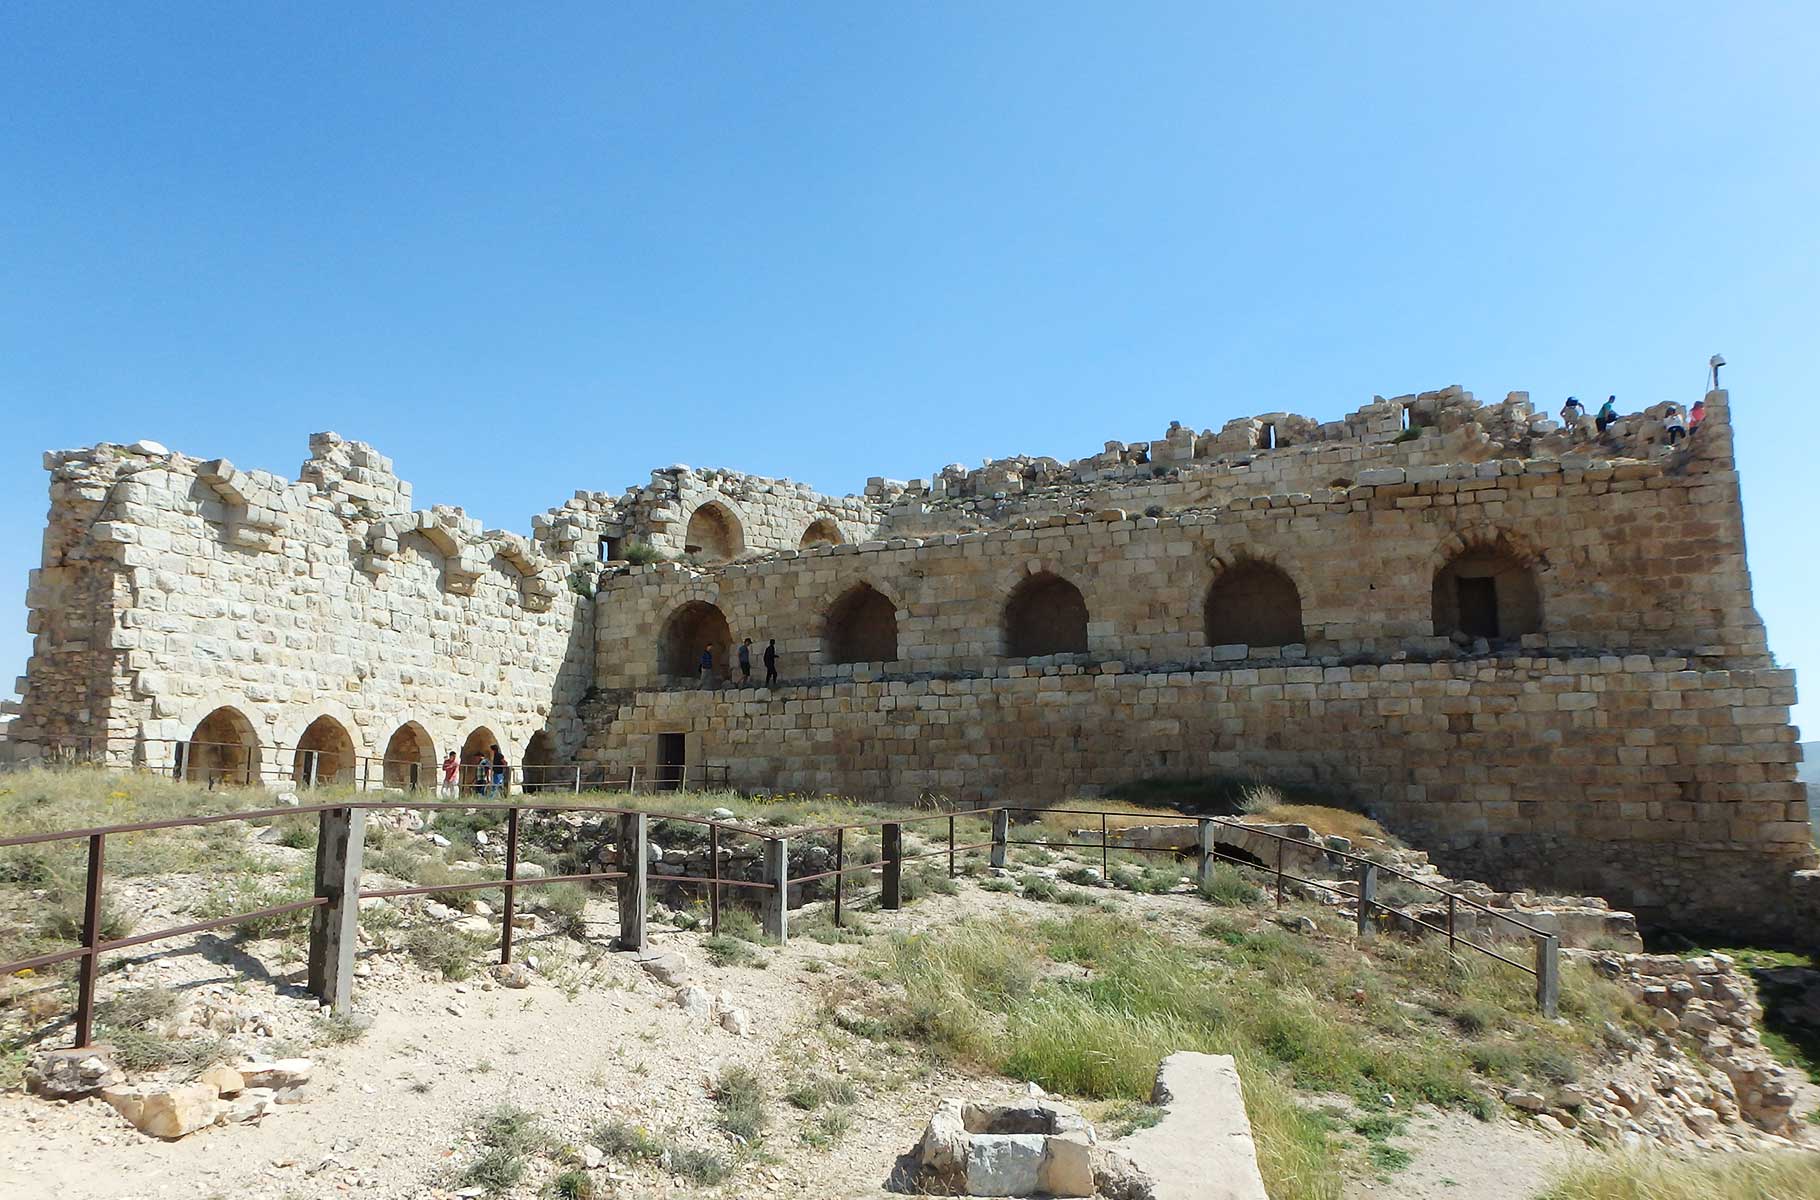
(707, 666)
(451, 767)
(1572, 413)
(1695, 416)
(1608, 412)
(1673, 424)
(501, 772)
(771, 663)
(745, 661)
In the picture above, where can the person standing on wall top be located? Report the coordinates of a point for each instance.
(451, 767)
(771, 663)
(745, 661)
(1572, 413)
(1608, 412)
(501, 772)
(1673, 425)
(707, 665)
(1695, 417)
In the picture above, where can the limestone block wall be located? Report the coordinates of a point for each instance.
(1631, 557)
(171, 587)
(1665, 787)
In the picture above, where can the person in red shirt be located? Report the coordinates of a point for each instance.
(451, 766)
(1696, 415)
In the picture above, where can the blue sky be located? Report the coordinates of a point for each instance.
(526, 250)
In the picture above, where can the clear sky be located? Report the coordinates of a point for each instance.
(530, 249)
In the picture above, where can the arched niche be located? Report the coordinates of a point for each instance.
(223, 750)
(1486, 592)
(410, 758)
(693, 627)
(324, 754)
(1045, 614)
(821, 532)
(714, 534)
(861, 627)
(1253, 604)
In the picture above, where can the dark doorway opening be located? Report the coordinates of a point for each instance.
(1478, 599)
(671, 759)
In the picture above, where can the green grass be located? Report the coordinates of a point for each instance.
(508, 1135)
(833, 1090)
(1287, 1006)
(1227, 886)
(445, 950)
(1737, 1176)
(725, 951)
(570, 1185)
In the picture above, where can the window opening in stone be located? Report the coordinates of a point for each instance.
(692, 628)
(222, 750)
(1268, 439)
(1486, 594)
(672, 757)
(861, 628)
(325, 754)
(1045, 615)
(822, 532)
(541, 772)
(1253, 604)
(713, 534)
(410, 758)
(1403, 409)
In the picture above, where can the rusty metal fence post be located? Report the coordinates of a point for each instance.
(714, 874)
(1279, 874)
(951, 847)
(91, 938)
(511, 911)
(840, 879)
(891, 894)
(335, 925)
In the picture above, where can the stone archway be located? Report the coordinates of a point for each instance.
(1253, 603)
(410, 758)
(861, 627)
(1045, 615)
(693, 627)
(714, 534)
(222, 750)
(821, 532)
(1486, 590)
(324, 754)
(540, 769)
(476, 773)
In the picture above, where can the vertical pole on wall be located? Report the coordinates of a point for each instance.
(632, 782)
(1001, 835)
(91, 938)
(1105, 851)
(335, 926)
(505, 936)
(951, 846)
(714, 874)
(179, 757)
(578, 779)
(891, 896)
(1450, 903)
(634, 860)
(776, 922)
(1203, 842)
(1368, 895)
(366, 775)
(840, 863)
(1548, 974)
(1279, 872)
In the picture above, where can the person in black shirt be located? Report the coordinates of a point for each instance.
(771, 663)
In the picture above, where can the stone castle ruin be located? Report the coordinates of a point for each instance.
(1531, 649)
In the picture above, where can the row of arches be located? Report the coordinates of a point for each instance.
(225, 748)
(1479, 593)
(714, 533)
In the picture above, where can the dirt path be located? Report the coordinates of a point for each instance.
(1457, 1157)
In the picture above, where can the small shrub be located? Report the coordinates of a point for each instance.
(725, 951)
(138, 1050)
(641, 554)
(570, 1185)
(702, 1167)
(741, 1099)
(741, 923)
(141, 1008)
(336, 1030)
(496, 1170)
(998, 883)
(1038, 887)
(627, 1142)
(925, 881)
(812, 1094)
(1228, 887)
(1082, 875)
(1260, 798)
(443, 949)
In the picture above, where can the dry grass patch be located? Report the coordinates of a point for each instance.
(1731, 1177)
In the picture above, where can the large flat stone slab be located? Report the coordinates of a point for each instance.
(1202, 1148)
